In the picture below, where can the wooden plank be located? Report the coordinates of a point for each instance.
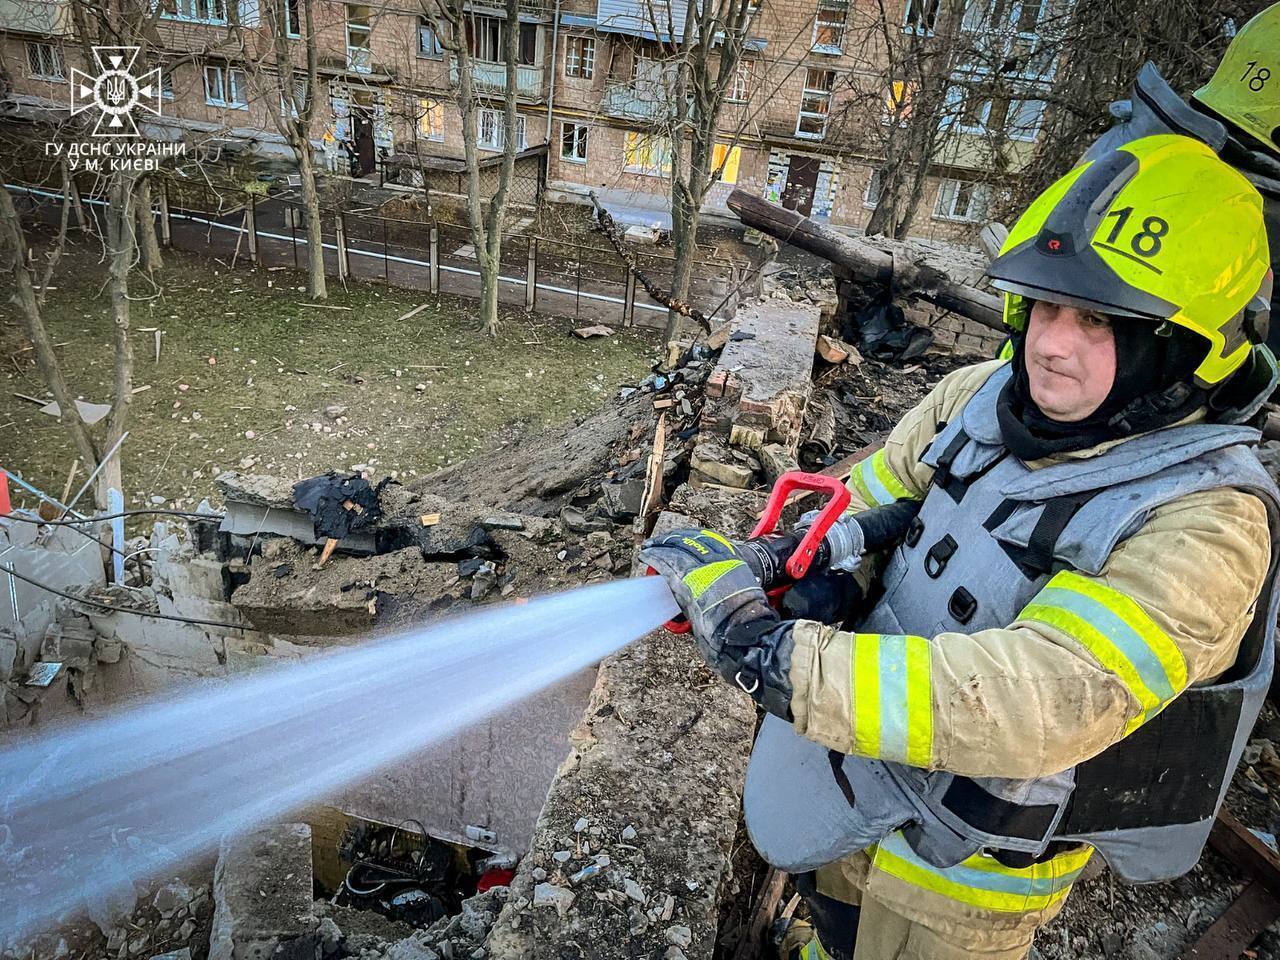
(1233, 840)
(770, 894)
(1230, 935)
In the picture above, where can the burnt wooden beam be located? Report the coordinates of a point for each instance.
(867, 263)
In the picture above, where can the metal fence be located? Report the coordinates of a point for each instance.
(548, 275)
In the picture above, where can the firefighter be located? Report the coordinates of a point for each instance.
(1068, 650)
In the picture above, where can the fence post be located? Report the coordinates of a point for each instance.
(531, 275)
(629, 308)
(435, 257)
(340, 236)
(251, 227)
(77, 205)
(166, 228)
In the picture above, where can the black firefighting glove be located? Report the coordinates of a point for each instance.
(737, 633)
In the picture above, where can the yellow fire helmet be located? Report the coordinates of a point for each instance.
(1158, 229)
(1245, 89)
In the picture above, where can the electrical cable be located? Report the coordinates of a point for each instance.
(8, 568)
(207, 517)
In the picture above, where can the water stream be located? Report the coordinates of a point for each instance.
(89, 810)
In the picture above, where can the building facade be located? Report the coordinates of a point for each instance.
(806, 119)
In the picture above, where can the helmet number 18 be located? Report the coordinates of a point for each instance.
(1255, 76)
(1145, 242)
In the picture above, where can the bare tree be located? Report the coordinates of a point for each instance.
(455, 27)
(297, 92)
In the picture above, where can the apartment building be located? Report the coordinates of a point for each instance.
(803, 125)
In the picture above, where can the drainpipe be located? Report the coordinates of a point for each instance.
(551, 89)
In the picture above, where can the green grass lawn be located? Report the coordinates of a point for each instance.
(247, 370)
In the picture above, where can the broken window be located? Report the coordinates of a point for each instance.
(292, 19)
(292, 106)
(647, 153)
(871, 196)
(44, 62)
(224, 86)
(897, 105)
(428, 43)
(740, 87)
(815, 104)
(430, 119)
(491, 131)
(580, 58)
(962, 200)
(359, 35)
(201, 11)
(726, 159)
(488, 37)
(828, 27)
(921, 16)
(573, 142)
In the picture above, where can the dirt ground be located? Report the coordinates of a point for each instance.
(247, 370)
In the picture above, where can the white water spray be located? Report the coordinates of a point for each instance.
(88, 811)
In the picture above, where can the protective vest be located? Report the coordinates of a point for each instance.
(989, 536)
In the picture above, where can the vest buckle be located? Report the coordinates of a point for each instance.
(939, 555)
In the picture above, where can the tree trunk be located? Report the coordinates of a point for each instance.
(488, 292)
(120, 246)
(316, 287)
(13, 240)
(148, 243)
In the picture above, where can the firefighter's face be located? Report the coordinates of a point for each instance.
(1071, 360)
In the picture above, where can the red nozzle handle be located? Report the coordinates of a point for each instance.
(678, 623)
(788, 483)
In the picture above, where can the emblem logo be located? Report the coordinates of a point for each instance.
(115, 91)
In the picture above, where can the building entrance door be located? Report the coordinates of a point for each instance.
(802, 181)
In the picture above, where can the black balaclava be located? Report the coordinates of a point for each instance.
(1153, 388)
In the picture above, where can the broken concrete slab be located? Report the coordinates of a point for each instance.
(767, 367)
(262, 889)
(715, 461)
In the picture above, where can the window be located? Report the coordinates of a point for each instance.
(921, 16)
(489, 37)
(359, 31)
(44, 62)
(871, 197)
(580, 57)
(726, 159)
(430, 119)
(897, 105)
(292, 19)
(815, 104)
(828, 27)
(1024, 119)
(201, 11)
(967, 112)
(492, 133)
(646, 153)
(962, 200)
(166, 84)
(290, 107)
(225, 87)
(428, 43)
(740, 86)
(573, 142)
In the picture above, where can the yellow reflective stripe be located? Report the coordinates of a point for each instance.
(982, 881)
(719, 539)
(813, 950)
(876, 483)
(893, 698)
(700, 578)
(1123, 638)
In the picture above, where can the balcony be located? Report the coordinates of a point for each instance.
(49, 18)
(537, 9)
(492, 78)
(634, 103)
